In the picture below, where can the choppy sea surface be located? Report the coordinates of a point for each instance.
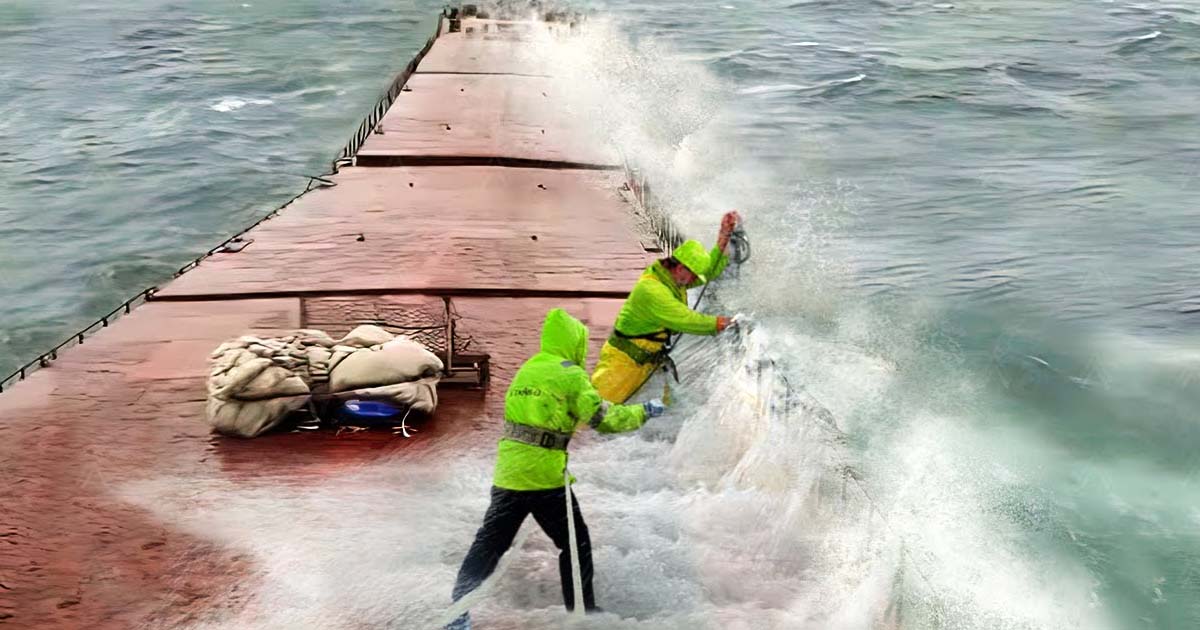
(135, 136)
(975, 239)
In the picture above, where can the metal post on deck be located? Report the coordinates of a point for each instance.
(449, 337)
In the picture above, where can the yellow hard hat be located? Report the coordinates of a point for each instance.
(691, 254)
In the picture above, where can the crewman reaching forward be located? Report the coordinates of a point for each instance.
(657, 308)
(549, 398)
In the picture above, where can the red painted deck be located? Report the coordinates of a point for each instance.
(485, 116)
(128, 404)
(430, 228)
(476, 51)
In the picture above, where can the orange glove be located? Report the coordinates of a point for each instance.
(722, 323)
(730, 221)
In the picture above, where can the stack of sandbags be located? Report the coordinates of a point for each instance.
(257, 381)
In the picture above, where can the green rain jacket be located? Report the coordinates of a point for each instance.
(552, 391)
(657, 305)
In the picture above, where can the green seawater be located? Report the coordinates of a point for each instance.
(976, 238)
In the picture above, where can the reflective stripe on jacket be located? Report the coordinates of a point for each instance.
(552, 392)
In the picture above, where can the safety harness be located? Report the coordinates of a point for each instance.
(534, 436)
(640, 355)
(546, 438)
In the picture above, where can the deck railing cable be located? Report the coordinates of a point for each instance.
(44, 359)
(668, 235)
(237, 242)
(371, 122)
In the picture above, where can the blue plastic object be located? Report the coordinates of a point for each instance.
(654, 408)
(370, 413)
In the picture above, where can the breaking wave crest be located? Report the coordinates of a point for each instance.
(787, 88)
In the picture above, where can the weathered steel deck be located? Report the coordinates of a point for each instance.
(128, 404)
(490, 47)
(458, 229)
(485, 117)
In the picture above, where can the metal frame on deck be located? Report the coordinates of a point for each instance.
(460, 368)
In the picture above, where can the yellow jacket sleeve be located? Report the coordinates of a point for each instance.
(651, 301)
(605, 417)
(719, 262)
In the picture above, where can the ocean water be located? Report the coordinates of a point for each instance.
(975, 235)
(135, 136)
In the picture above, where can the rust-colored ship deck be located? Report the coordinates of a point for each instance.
(476, 185)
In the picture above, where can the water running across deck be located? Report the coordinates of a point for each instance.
(499, 201)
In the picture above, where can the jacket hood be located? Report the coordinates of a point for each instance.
(691, 254)
(564, 336)
(659, 271)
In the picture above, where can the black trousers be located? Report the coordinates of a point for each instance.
(504, 516)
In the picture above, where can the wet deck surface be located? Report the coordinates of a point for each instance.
(475, 51)
(485, 116)
(429, 228)
(127, 406)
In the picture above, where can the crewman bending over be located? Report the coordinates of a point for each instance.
(657, 308)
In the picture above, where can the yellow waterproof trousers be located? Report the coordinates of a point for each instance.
(617, 376)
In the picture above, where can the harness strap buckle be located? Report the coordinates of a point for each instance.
(668, 366)
(640, 355)
(534, 436)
